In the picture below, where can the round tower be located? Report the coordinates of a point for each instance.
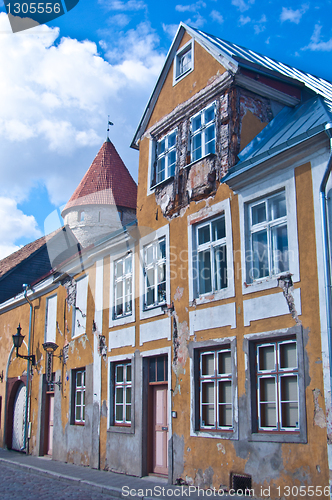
(105, 199)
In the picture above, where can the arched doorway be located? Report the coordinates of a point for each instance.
(19, 418)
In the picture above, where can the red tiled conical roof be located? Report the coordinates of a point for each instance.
(107, 182)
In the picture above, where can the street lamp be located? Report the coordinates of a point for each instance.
(50, 348)
(17, 341)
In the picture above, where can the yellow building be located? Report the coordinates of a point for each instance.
(196, 342)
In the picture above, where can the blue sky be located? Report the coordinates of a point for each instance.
(60, 81)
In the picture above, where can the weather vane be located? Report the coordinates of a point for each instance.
(108, 127)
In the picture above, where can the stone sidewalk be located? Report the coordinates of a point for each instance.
(111, 483)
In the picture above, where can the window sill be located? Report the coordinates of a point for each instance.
(209, 155)
(122, 429)
(225, 293)
(282, 437)
(123, 320)
(214, 434)
(153, 311)
(161, 183)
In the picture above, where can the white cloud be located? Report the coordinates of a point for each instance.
(216, 16)
(316, 44)
(14, 225)
(194, 7)
(244, 20)
(55, 96)
(197, 22)
(260, 25)
(170, 29)
(294, 16)
(131, 5)
(242, 5)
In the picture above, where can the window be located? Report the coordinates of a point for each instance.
(81, 216)
(203, 133)
(123, 277)
(165, 158)
(277, 386)
(50, 320)
(155, 273)
(122, 393)
(79, 395)
(215, 380)
(211, 255)
(183, 62)
(79, 314)
(268, 237)
(158, 370)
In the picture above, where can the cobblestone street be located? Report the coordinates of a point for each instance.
(16, 484)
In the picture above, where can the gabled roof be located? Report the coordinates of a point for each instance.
(107, 182)
(233, 57)
(290, 127)
(35, 260)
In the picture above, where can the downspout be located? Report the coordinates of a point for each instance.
(326, 248)
(25, 446)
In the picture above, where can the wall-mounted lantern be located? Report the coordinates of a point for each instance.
(17, 341)
(50, 348)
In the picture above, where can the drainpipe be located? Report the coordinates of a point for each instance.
(25, 446)
(326, 247)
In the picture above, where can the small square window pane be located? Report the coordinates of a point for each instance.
(260, 255)
(161, 146)
(161, 273)
(280, 249)
(152, 370)
(196, 123)
(119, 289)
(162, 292)
(289, 388)
(161, 249)
(288, 355)
(277, 207)
(197, 147)
(128, 285)
(83, 414)
(78, 398)
(220, 267)
(205, 281)
(204, 234)
(207, 364)
(208, 392)
(218, 229)
(128, 413)
(78, 413)
(119, 374)
(209, 114)
(150, 277)
(149, 254)
(160, 369)
(225, 416)
(266, 358)
(119, 395)
(119, 307)
(150, 297)
(171, 140)
(161, 169)
(84, 378)
(128, 373)
(289, 415)
(210, 140)
(171, 163)
(224, 362)
(225, 391)
(258, 213)
(128, 395)
(83, 398)
(208, 416)
(78, 379)
(268, 415)
(119, 413)
(119, 268)
(128, 264)
(267, 389)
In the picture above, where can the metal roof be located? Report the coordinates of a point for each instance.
(241, 54)
(290, 127)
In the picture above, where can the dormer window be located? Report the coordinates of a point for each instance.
(183, 62)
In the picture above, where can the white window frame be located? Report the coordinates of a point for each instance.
(125, 317)
(124, 385)
(80, 310)
(268, 227)
(276, 373)
(156, 310)
(112, 361)
(51, 318)
(196, 429)
(153, 267)
(177, 76)
(202, 132)
(195, 221)
(164, 155)
(271, 185)
(81, 390)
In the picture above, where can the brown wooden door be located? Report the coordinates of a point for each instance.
(159, 430)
